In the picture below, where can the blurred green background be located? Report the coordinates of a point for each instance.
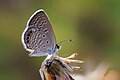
(93, 25)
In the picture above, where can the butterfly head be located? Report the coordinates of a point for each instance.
(58, 47)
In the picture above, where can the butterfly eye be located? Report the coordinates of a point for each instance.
(57, 46)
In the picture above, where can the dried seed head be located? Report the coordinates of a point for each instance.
(57, 68)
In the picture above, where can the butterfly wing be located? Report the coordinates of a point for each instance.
(38, 36)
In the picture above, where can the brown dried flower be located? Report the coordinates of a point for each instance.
(57, 68)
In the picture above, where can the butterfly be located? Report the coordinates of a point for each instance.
(38, 36)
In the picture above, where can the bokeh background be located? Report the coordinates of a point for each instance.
(93, 26)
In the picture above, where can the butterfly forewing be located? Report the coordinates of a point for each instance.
(39, 35)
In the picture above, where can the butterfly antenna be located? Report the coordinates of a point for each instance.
(64, 41)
